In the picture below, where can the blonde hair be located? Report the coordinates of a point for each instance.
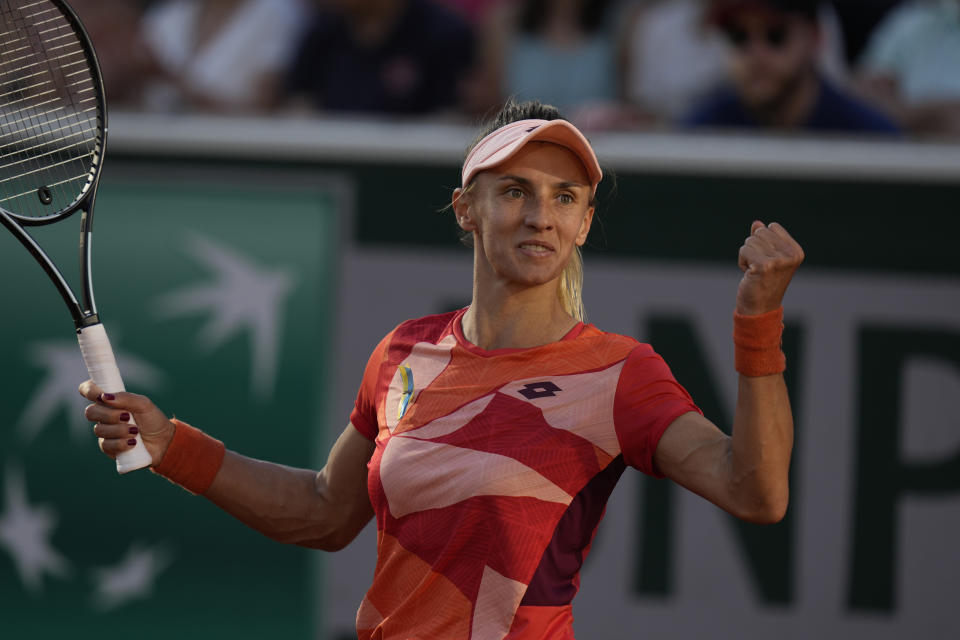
(570, 290)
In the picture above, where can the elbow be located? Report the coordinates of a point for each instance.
(771, 515)
(331, 533)
(769, 510)
(329, 543)
(322, 529)
(760, 498)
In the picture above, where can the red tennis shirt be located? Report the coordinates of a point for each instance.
(492, 470)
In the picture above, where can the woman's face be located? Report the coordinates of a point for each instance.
(528, 214)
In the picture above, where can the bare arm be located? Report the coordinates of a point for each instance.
(324, 509)
(746, 473)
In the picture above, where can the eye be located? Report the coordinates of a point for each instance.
(566, 198)
(514, 192)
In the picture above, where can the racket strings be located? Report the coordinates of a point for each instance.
(50, 111)
(92, 122)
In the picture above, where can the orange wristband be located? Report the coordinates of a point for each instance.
(192, 460)
(756, 343)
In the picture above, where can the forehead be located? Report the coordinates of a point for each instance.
(545, 159)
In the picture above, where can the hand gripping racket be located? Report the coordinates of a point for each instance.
(53, 133)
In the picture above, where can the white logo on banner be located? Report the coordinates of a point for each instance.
(25, 532)
(64, 368)
(130, 579)
(241, 297)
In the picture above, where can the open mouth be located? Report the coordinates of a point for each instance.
(536, 248)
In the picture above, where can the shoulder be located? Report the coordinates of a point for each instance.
(904, 27)
(609, 347)
(595, 335)
(399, 343)
(849, 112)
(432, 329)
(643, 357)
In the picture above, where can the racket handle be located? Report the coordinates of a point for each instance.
(102, 366)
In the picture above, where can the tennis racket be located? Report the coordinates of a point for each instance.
(53, 134)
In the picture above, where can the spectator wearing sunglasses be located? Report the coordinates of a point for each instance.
(775, 80)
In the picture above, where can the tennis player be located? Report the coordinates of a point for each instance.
(486, 441)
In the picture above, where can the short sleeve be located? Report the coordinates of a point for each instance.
(647, 401)
(364, 414)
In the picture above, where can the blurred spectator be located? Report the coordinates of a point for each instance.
(114, 28)
(776, 81)
(912, 64)
(672, 58)
(224, 55)
(384, 56)
(559, 52)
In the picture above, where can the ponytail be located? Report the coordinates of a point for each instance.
(571, 286)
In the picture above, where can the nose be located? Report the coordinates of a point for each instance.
(538, 215)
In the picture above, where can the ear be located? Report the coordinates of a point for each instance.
(585, 227)
(462, 209)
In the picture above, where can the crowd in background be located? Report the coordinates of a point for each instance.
(871, 67)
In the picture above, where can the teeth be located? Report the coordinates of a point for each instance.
(534, 247)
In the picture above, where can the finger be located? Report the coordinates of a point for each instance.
(115, 446)
(90, 391)
(130, 401)
(100, 413)
(753, 250)
(750, 258)
(787, 239)
(115, 431)
(763, 243)
(756, 226)
(780, 230)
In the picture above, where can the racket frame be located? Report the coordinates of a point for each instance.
(94, 344)
(82, 310)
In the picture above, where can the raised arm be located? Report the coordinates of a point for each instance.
(745, 473)
(324, 509)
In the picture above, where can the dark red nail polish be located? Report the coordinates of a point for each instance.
(108, 396)
(132, 442)
(124, 416)
(134, 430)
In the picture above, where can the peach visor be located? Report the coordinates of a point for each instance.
(505, 142)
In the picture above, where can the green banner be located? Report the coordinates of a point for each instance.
(214, 290)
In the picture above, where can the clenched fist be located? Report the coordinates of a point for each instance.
(768, 259)
(111, 412)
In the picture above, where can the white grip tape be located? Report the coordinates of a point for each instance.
(102, 366)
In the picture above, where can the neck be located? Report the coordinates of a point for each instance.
(793, 107)
(511, 317)
(373, 21)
